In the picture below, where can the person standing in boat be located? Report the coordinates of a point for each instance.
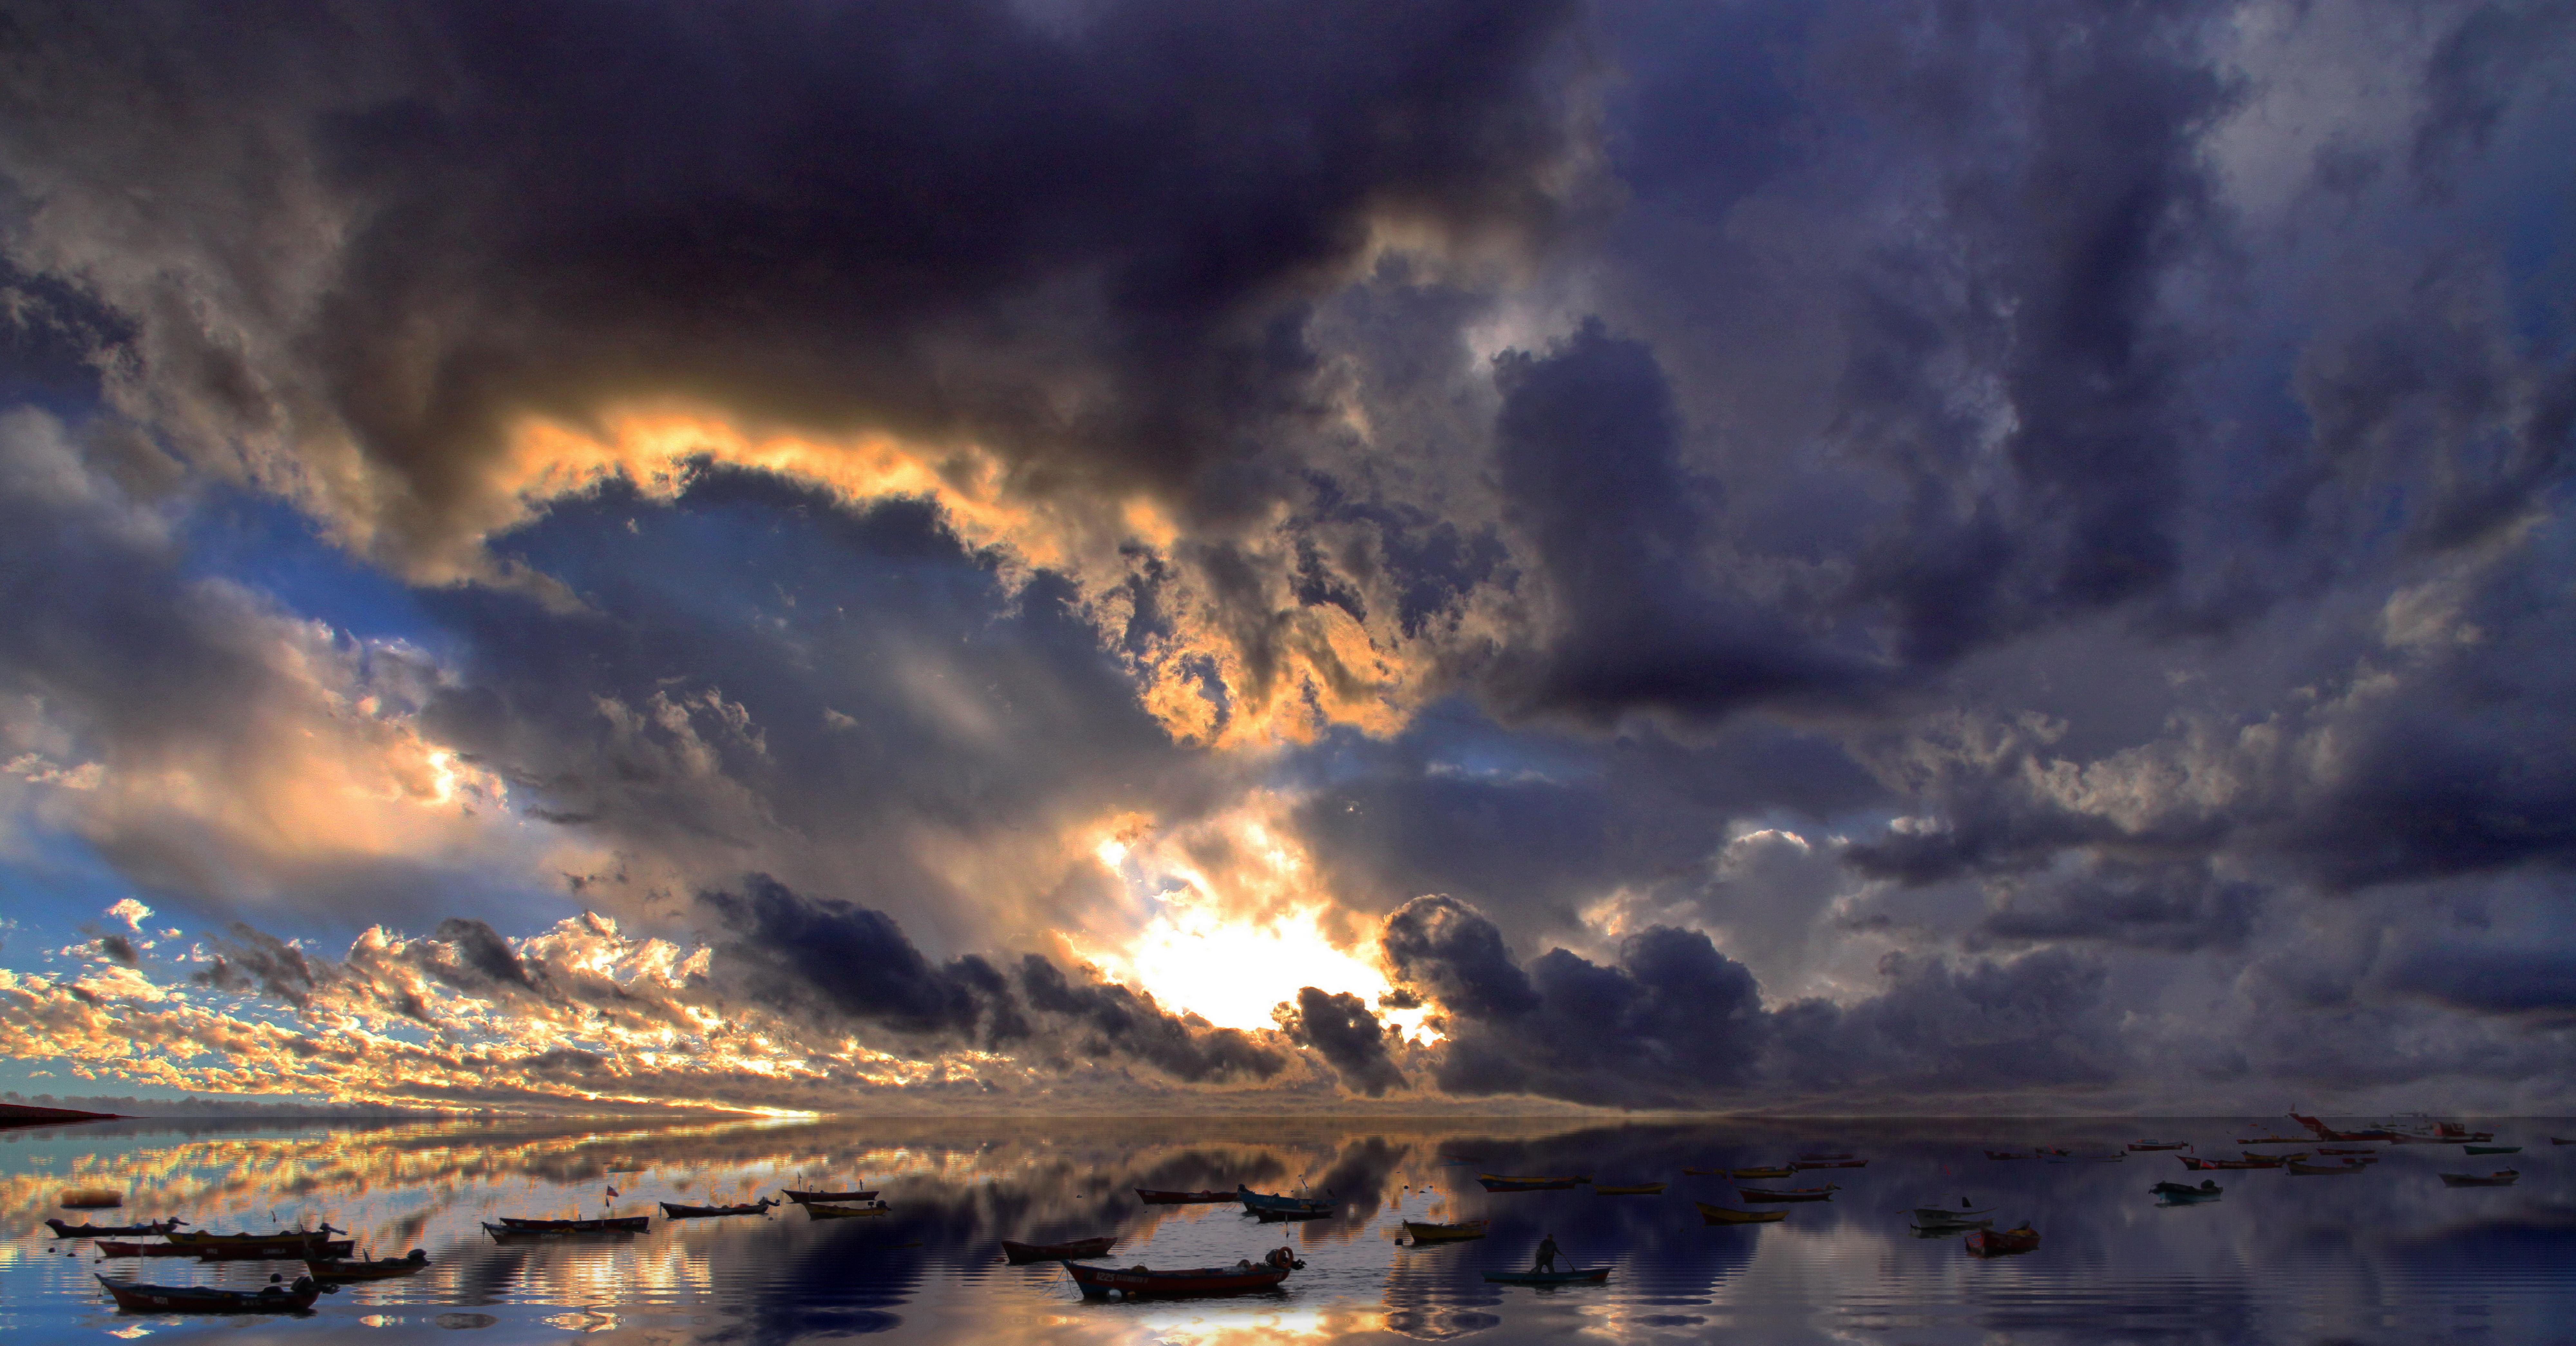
(1546, 1259)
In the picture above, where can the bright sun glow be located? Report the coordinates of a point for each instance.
(1230, 947)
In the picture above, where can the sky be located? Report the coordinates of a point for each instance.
(1493, 555)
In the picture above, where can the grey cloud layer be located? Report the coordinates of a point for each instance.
(2001, 517)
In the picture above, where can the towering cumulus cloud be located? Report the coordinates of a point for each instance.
(1057, 553)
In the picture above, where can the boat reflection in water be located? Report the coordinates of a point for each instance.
(1402, 1248)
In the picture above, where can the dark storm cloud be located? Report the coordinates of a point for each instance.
(1084, 244)
(2178, 907)
(2535, 982)
(2039, 1022)
(1672, 1023)
(248, 958)
(1342, 1030)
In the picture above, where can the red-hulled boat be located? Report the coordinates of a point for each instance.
(1999, 1242)
(1141, 1282)
(1018, 1253)
(1151, 1197)
(281, 1298)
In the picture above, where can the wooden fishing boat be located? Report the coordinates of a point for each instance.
(1265, 1203)
(90, 1198)
(1727, 1215)
(1805, 1164)
(2341, 1170)
(673, 1210)
(134, 1297)
(121, 1248)
(1824, 1193)
(502, 1233)
(1498, 1182)
(1141, 1282)
(1772, 1171)
(1631, 1189)
(2183, 1194)
(198, 1239)
(825, 1210)
(2003, 1242)
(2503, 1177)
(620, 1224)
(2003, 1154)
(381, 1269)
(1584, 1276)
(290, 1247)
(802, 1197)
(2492, 1149)
(97, 1231)
(1018, 1253)
(1152, 1197)
(1425, 1231)
(2146, 1146)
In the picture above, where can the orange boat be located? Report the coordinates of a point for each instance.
(2003, 1242)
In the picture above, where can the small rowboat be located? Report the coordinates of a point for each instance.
(2503, 1177)
(381, 1269)
(2342, 1170)
(1824, 1193)
(90, 1198)
(802, 1197)
(1633, 1189)
(1141, 1282)
(2143, 1146)
(2492, 1149)
(502, 1233)
(1154, 1198)
(622, 1224)
(120, 1248)
(1936, 1214)
(825, 1210)
(1269, 1205)
(1018, 1253)
(1726, 1215)
(1498, 1182)
(672, 1210)
(137, 1298)
(2003, 1154)
(2179, 1194)
(94, 1231)
(1829, 1163)
(1774, 1171)
(1423, 1231)
(1585, 1276)
(2002, 1242)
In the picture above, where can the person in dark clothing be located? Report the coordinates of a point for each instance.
(1546, 1259)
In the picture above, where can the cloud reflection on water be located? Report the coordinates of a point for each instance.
(2387, 1256)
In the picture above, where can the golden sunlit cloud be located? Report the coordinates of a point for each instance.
(1230, 920)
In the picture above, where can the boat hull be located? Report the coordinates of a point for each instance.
(2003, 1242)
(1151, 1197)
(137, 1298)
(1586, 1276)
(383, 1269)
(1262, 1203)
(1634, 1189)
(675, 1211)
(1825, 1193)
(1498, 1182)
(1421, 1231)
(506, 1234)
(622, 1224)
(1725, 1215)
(1098, 1282)
(95, 1231)
(804, 1198)
(2503, 1178)
(1018, 1254)
(1772, 1171)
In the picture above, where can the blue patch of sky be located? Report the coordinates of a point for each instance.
(264, 543)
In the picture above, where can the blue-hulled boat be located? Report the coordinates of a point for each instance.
(1263, 1203)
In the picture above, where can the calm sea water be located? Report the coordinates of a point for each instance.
(2389, 1256)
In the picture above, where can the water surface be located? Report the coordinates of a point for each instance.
(2389, 1256)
